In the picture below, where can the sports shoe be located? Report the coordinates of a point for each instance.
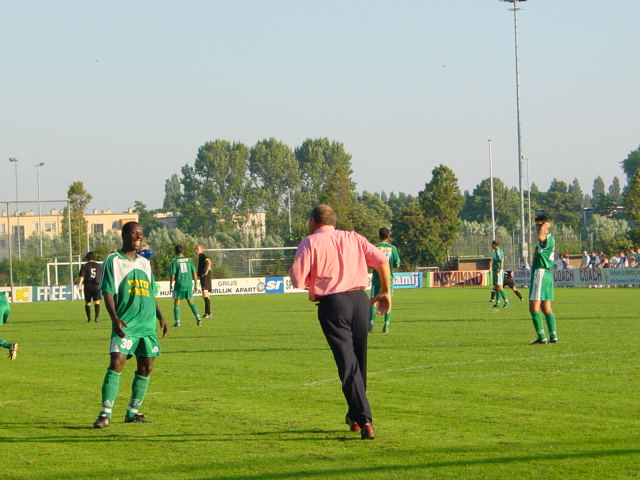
(371, 330)
(137, 418)
(385, 330)
(539, 341)
(497, 305)
(353, 426)
(367, 432)
(198, 322)
(13, 351)
(102, 422)
(506, 305)
(553, 340)
(177, 324)
(207, 315)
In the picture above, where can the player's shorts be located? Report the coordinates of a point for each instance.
(498, 277)
(148, 346)
(205, 282)
(541, 286)
(508, 281)
(92, 292)
(4, 313)
(182, 294)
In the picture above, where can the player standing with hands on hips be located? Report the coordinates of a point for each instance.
(332, 265)
(129, 290)
(541, 287)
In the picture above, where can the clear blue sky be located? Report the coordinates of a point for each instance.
(121, 94)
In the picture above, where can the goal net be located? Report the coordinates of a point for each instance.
(250, 262)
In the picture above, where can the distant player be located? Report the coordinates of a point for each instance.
(508, 282)
(129, 288)
(183, 273)
(5, 309)
(204, 272)
(394, 262)
(89, 281)
(496, 265)
(145, 251)
(541, 288)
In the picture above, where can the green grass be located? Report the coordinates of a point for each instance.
(456, 393)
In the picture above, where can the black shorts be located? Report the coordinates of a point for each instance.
(92, 292)
(205, 282)
(508, 282)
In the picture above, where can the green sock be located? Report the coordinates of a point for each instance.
(4, 343)
(387, 321)
(195, 311)
(538, 324)
(551, 325)
(504, 297)
(138, 390)
(372, 317)
(176, 313)
(110, 386)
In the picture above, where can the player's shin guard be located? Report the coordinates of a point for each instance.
(96, 308)
(538, 324)
(207, 306)
(176, 313)
(138, 390)
(87, 311)
(194, 310)
(372, 316)
(4, 343)
(493, 295)
(518, 294)
(551, 325)
(110, 387)
(387, 321)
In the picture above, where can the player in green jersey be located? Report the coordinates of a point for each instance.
(394, 262)
(183, 273)
(541, 287)
(129, 290)
(5, 310)
(496, 265)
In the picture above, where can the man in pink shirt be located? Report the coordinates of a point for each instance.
(332, 265)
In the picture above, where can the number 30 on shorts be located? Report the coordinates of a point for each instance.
(121, 345)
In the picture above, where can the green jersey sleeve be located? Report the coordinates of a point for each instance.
(395, 258)
(107, 283)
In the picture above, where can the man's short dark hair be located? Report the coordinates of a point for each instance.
(496, 243)
(179, 249)
(541, 218)
(323, 215)
(128, 227)
(90, 256)
(384, 233)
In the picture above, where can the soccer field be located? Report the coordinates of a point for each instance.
(456, 393)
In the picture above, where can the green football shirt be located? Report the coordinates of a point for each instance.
(497, 257)
(394, 261)
(134, 288)
(543, 256)
(183, 269)
(3, 299)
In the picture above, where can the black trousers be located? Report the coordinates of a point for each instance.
(344, 318)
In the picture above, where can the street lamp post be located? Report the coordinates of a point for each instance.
(15, 164)
(524, 249)
(493, 209)
(38, 165)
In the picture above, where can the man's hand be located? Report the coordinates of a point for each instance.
(164, 327)
(117, 326)
(383, 302)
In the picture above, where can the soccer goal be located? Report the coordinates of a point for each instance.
(250, 262)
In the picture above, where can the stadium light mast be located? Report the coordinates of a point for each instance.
(15, 164)
(524, 248)
(493, 210)
(38, 165)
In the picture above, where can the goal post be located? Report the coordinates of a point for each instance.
(250, 262)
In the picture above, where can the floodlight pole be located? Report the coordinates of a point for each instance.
(38, 165)
(15, 164)
(493, 211)
(524, 248)
(10, 252)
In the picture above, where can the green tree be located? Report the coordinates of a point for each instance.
(576, 192)
(216, 189)
(339, 194)
(631, 200)
(477, 206)
(560, 205)
(318, 159)
(78, 198)
(408, 227)
(631, 164)
(145, 217)
(368, 214)
(172, 193)
(615, 192)
(441, 203)
(276, 177)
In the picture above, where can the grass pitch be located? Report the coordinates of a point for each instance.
(456, 393)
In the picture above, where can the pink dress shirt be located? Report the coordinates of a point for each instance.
(334, 261)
